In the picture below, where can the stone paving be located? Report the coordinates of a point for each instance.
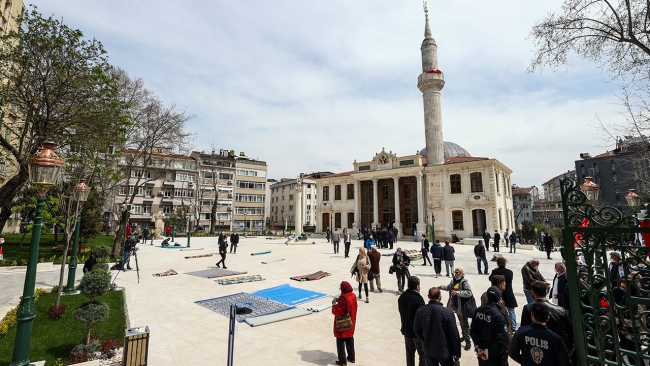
(184, 333)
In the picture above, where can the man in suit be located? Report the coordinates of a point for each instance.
(486, 240)
(548, 245)
(508, 294)
(425, 250)
(496, 238)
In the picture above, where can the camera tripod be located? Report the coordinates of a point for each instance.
(137, 267)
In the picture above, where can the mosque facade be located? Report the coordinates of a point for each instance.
(441, 184)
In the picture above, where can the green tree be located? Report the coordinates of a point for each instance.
(56, 86)
(93, 285)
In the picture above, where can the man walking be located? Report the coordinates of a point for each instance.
(529, 274)
(435, 328)
(479, 252)
(558, 321)
(425, 250)
(486, 238)
(408, 304)
(374, 256)
(489, 332)
(507, 295)
(336, 238)
(145, 236)
(347, 239)
(506, 238)
(536, 344)
(223, 247)
(437, 253)
(234, 240)
(449, 257)
(548, 245)
(496, 239)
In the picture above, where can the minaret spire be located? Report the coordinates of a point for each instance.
(427, 29)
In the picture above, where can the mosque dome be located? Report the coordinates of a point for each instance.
(451, 150)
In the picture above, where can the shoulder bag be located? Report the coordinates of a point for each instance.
(343, 322)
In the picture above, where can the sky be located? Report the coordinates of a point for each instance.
(311, 86)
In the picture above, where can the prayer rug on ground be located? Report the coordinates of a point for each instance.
(170, 247)
(273, 261)
(259, 305)
(239, 279)
(311, 277)
(260, 253)
(289, 295)
(214, 273)
(198, 256)
(171, 272)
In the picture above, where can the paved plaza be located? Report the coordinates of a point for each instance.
(184, 333)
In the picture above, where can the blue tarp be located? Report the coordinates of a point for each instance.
(289, 295)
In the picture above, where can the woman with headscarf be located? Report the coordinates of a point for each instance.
(346, 303)
(361, 266)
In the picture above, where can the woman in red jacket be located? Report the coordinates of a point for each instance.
(346, 303)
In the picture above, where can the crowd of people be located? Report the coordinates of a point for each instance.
(543, 335)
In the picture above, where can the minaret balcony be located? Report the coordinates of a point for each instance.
(427, 81)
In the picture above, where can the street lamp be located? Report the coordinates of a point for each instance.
(536, 236)
(633, 199)
(189, 224)
(590, 189)
(285, 223)
(174, 211)
(80, 194)
(521, 233)
(44, 170)
(245, 220)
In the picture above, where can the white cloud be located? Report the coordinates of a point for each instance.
(312, 86)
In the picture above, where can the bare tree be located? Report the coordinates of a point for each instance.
(156, 136)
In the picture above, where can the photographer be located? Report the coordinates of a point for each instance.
(129, 247)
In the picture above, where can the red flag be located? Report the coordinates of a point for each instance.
(434, 71)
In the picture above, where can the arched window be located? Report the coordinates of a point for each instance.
(457, 219)
(454, 182)
(476, 181)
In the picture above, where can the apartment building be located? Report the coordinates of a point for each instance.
(284, 200)
(216, 180)
(168, 183)
(250, 194)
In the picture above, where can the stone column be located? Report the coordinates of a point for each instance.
(356, 207)
(421, 226)
(398, 222)
(375, 206)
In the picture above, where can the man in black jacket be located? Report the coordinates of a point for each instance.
(536, 344)
(435, 327)
(408, 304)
(425, 250)
(489, 332)
(479, 252)
(497, 239)
(437, 253)
(486, 238)
(223, 247)
(558, 322)
(90, 263)
(234, 240)
(548, 245)
(449, 257)
(508, 294)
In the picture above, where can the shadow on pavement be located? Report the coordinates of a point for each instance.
(318, 357)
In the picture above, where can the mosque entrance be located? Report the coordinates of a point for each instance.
(478, 222)
(408, 202)
(386, 201)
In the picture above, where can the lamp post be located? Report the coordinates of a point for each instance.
(44, 169)
(174, 225)
(80, 194)
(521, 232)
(245, 221)
(189, 224)
(633, 199)
(536, 237)
(285, 223)
(590, 189)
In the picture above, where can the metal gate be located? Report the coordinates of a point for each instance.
(609, 308)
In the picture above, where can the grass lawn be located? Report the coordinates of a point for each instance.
(13, 252)
(52, 339)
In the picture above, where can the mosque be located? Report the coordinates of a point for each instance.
(441, 185)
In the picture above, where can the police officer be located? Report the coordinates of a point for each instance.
(489, 331)
(535, 344)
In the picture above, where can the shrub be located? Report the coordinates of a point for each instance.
(108, 347)
(78, 358)
(96, 282)
(89, 349)
(14, 263)
(90, 314)
(55, 312)
(102, 252)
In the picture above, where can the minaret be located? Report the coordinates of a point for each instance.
(430, 82)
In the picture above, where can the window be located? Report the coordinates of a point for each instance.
(582, 168)
(613, 165)
(350, 190)
(146, 208)
(168, 192)
(250, 197)
(326, 193)
(454, 182)
(350, 219)
(136, 209)
(476, 180)
(290, 208)
(124, 190)
(290, 197)
(337, 192)
(167, 209)
(457, 219)
(185, 177)
(309, 196)
(169, 176)
(149, 191)
(251, 185)
(614, 176)
(227, 176)
(251, 172)
(337, 219)
(207, 174)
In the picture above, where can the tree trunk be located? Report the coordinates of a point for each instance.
(117, 242)
(56, 234)
(213, 216)
(8, 192)
(22, 239)
(87, 339)
(62, 274)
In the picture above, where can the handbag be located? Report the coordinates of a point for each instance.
(343, 322)
(371, 276)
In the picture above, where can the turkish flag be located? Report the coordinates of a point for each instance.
(580, 236)
(434, 71)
